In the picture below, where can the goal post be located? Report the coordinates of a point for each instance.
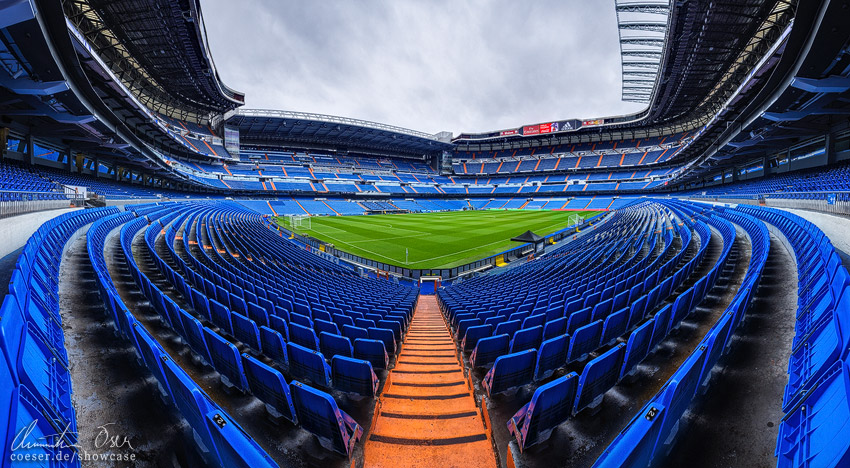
(574, 220)
(299, 222)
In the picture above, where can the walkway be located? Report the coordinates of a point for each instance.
(428, 416)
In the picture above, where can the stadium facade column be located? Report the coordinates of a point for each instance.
(96, 167)
(66, 155)
(4, 141)
(30, 150)
(829, 147)
(765, 165)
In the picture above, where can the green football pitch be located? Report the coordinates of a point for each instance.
(434, 240)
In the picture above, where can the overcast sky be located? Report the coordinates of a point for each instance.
(428, 65)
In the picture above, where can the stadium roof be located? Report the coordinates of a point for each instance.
(158, 49)
(805, 95)
(283, 128)
(713, 47)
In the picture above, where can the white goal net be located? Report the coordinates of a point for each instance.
(574, 220)
(299, 222)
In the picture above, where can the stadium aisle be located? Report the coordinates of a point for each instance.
(428, 415)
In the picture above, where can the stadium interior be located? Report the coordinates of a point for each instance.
(194, 283)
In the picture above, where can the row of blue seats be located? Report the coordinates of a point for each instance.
(318, 331)
(302, 331)
(548, 282)
(220, 440)
(603, 320)
(649, 437)
(236, 449)
(347, 374)
(554, 402)
(816, 428)
(246, 286)
(35, 382)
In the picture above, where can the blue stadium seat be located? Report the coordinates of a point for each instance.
(462, 325)
(614, 326)
(384, 335)
(342, 320)
(372, 351)
(510, 327)
(550, 405)
(274, 346)
(826, 343)
(267, 384)
(365, 323)
(354, 333)
(354, 376)
(584, 340)
(677, 396)
(195, 336)
(335, 345)
(816, 432)
(488, 349)
(715, 343)
(661, 326)
(259, 314)
(577, 320)
(226, 360)
(318, 413)
(637, 311)
(533, 321)
(307, 364)
(246, 331)
(527, 338)
(556, 327)
(320, 326)
(637, 347)
(279, 325)
(634, 446)
(220, 316)
(299, 319)
(222, 447)
(552, 355)
(510, 371)
(602, 310)
(152, 355)
(598, 376)
(303, 336)
(475, 334)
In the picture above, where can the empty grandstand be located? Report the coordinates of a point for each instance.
(193, 283)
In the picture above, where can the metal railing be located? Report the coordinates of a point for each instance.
(14, 203)
(827, 202)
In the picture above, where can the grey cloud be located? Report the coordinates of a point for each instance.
(462, 66)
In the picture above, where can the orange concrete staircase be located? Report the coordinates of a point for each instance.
(426, 415)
